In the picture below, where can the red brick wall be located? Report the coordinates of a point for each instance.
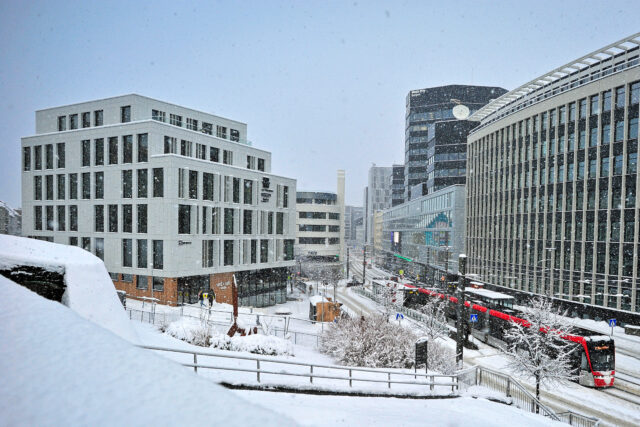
(221, 284)
(168, 296)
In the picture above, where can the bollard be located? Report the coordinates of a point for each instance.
(258, 369)
(195, 362)
(349, 377)
(311, 375)
(389, 379)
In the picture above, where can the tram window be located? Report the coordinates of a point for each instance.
(583, 363)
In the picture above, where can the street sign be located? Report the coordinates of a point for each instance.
(612, 322)
(399, 316)
(422, 348)
(401, 272)
(474, 318)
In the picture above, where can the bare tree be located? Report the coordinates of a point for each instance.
(434, 322)
(537, 347)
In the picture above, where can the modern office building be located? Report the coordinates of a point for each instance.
(173, 200)
(435, 154)
(425, 235)
(397, 185)
(552, 183)
(352, 214)
(378, 196)
(320, 224)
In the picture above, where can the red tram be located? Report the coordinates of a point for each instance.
(594, 362)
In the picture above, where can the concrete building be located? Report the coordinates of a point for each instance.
(10, 220)
(378, 196)
(377, 235)
(321, 218)
(436, 153)
(424, 237)
(173, 200)
(351, 216)
(552, 184)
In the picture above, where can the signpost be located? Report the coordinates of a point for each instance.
(473, 318)
(399, 317)
(612, 323)
(422, 353)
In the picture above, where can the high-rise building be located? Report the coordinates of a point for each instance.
(397, 185)
(173, 200)
(378, 195)
(552, 184)
(435, 153)
(351, 215)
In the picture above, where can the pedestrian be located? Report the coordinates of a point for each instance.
(200, 299)
(210, 299)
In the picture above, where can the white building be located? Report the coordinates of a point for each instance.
(321, 224)
(164, 192)
(377, 196)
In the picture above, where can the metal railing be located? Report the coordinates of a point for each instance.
(520, 396)
(330, 372)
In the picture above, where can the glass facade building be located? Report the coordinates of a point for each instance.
(552, 183)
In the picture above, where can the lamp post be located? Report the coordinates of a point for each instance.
(462, 267)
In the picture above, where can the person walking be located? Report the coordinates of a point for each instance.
(200, 299)
(210, 298)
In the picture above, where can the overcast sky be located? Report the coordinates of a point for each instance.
(320, 84)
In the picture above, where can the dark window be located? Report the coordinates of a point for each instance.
(73, 218)
(113, 150)
(143, 147)
(288, 249)
(73, 121)
(98, 152)
(127, 184)
(221, 132)
(170, 145)
(193, 184)
(38, 157)
(228, 252)
(86, 119)
(228, 221)
(254, 251)
(49, 219)
(127, 149)
(26, 158)
(125, 114)
(158, 115)
(61, 218)
(48, 150)
(37, 217)
(234, 135)
(236, 190)
(142, 254)
(279, 223)
(158, 257)
(100, 247)
(49, 187)
(61, 186)
(214, 154)
(98, 218)
(62, 123)
(158, 284)
(86, 185)
(261, 165)
(61, 154)
(73, 185)
(285, 197)
(270, 223)
(207, 128)
(264, 250)
(227, 157)
(142, 283)
(98, 178)
(37, 188)
(192, 124)
(142, 219)
(248, 191)
(158, 182)
(184, 219)
(175, 120)
(127, 253)
(207, 186)
(86, 152)
(98, 118)
(86, 244)
(142, 182)
(334, 215)
(247, 222)
(127, 218)
(113, 218)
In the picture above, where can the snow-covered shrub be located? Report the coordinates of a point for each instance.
(191, 330)
(258, 344)
(370, 341)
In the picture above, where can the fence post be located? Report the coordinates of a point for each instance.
(195, 362)
(432, 379)
(311, 374)
(258, 369)
(508, 387)
(130, 314)
(349, 377)
(479, 377)
(389, 379)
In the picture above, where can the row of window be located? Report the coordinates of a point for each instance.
(318, 215)
(192, 124)
(113, 150)
(49, 157)
(318, 241)
(245, 251)
(319, 228)
(73, 121)
(216, 220)
(142, 249)
(69, 182)
(186, 148)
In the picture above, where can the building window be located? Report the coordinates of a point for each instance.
(236, 190)
(49, 187)
(175, 120)
(113, 218)
(62, 123)
(61, 154)
(214, 154)
(141, 223)
(279, 223)
(142, 182)
(633, 129)
(288, 249)
(227, 157)
(127, 218)
(142, 253)
(186, 148)
(37, 187)
(49, 219)
(264, 251)
(334, 215)
(228, 220)
(37, 217)
(86, 152)
(228, 252)
(98, 118)
(86, 244)
(248, 192)
(127, 184)
(26, 158)
(158, 182)
(184, 219)
(127, 149)
(234, 135)
(158, 284)
(192, 124)
(99, 241)
(73, 121)
(98, 152)
(182, 182)
(261, 165)
(38, 157)
(158, 257)
(98, 183)
(251, 162)
(125, 114)
(595, 105)
(61, 225)
(61, 186)
(48, 150)
(221, 132)
(606, 101)
(207, 186)
(143, 147)
(215, 220)
(158, 115)
(113, 150)
(98, 218)
(247, 222)
(193, 184)
(73, 218)
(285, 197)
(632, 163)
(127, 253)
(207, 128)
(170, 145)
(86, 119)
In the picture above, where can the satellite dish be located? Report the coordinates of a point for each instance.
(460, 112)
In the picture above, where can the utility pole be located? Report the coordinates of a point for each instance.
(462, 266)
(364, 263)
(347, 263)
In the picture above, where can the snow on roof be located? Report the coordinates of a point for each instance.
(89, 289)
(597, 338)
(317, 298)
(59, 369)
(486, 293)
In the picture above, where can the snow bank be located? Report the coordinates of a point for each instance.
(59, 369)
(89, 289)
